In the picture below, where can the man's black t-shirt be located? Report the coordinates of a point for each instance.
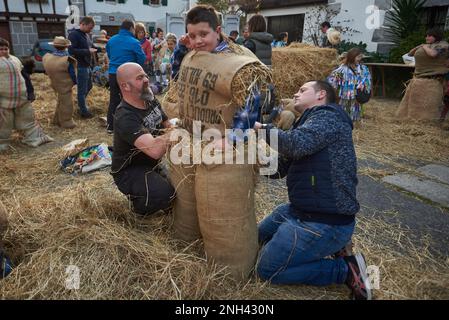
(129, 124)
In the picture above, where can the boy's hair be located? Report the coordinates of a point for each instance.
(87, 20)
(326, 24)
(4, 43)
(257, 23)
(436, 33)
(171, 37)
(127, 25)
(234, 33)
(331, 96)
(203, 13)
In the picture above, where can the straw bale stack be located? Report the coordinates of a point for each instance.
(298, 63)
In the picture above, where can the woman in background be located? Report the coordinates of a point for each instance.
(349, 79)
(146, 47)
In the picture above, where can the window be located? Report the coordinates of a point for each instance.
(155, 2)
(435, 17)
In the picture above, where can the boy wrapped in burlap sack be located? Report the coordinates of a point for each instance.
(216, 201)
(60, 67)
(16, 111)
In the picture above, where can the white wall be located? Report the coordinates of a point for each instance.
(141, 12)
(352, 15)
(19, 6)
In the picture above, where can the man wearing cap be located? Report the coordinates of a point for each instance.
(60, 67)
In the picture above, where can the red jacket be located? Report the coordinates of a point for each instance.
(147, 49)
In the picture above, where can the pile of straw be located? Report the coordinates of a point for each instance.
(298, 63)
(58, 220)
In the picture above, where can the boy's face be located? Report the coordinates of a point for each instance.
(171, 45)
(4, 52)
(202, 37)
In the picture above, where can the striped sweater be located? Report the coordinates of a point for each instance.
(13, 91)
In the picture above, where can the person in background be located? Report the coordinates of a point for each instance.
(82, 49)
(234, 35)
(158, 43)
(27, 71)
(60, 68)
(325, 26)
(281, 41)
(349, 78)
(259, 40)
(165, 56)
(121, 48)
(147, 48)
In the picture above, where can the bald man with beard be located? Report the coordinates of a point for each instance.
(140, 143)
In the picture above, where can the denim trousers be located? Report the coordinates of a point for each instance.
(297, 252)
(84, 80)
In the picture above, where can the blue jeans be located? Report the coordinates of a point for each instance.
(84, 81)
(295, 252)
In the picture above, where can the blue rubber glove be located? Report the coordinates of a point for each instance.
(245, 118)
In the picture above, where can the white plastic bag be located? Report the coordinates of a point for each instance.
(408, 59)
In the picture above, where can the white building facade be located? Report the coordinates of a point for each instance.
(359, 20)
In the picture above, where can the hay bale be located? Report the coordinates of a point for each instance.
(169, 101)
(298, 63)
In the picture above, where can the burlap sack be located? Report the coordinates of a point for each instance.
(61, 82)
(225, 206)
(289, 104)
(185, 219)
(13, 91)
(286, 120)
(426, 66)
(3, 220)
(422, 100)
(204, 89)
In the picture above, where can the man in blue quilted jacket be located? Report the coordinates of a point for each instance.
(300, 239)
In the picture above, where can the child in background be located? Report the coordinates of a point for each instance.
(27, 71)
(165, 56)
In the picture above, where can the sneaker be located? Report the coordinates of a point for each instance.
(357, 279)
(346, 251)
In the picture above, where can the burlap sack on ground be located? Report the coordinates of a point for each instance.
(22, 119)
(225, 205)
(3, 220)
(422, 100)
(185, 219)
